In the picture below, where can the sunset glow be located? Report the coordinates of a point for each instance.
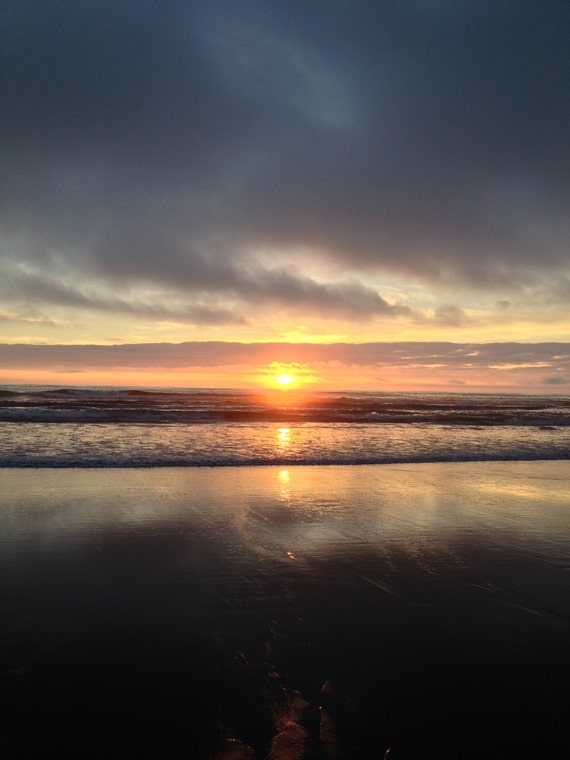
(458, 367)
(298, 200)
(288, 375)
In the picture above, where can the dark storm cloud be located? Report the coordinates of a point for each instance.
(167, 142)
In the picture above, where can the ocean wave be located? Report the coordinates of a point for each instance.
(84, 405)
(212, 462)
(262, 443)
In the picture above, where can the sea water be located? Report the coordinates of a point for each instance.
(86, 427)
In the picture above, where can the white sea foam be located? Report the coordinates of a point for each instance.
(213, 444)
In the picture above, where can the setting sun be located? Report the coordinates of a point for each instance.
(285, 375)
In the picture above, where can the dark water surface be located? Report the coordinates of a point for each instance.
(406, 611)
(119, 427)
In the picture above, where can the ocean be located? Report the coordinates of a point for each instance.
(116, 427)
(232, 575)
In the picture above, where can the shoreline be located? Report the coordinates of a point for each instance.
(282, 463)
(304, 612)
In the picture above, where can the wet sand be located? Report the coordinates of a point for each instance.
(407, 611)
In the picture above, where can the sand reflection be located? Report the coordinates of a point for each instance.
(284, 478)
(274, 612)
(311, 511)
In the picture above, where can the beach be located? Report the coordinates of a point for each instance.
(284, 380)
(411, 610)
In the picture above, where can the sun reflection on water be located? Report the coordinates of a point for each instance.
(283, 438)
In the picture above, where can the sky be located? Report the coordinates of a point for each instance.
(356, 193)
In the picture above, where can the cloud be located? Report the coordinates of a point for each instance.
(238, 286)
(556, 380)
(6, 316)
(220, 354)
(450, 315)
(198, 147)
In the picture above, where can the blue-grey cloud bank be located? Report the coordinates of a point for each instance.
(205, 162)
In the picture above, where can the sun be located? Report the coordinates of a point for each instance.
(285, 376)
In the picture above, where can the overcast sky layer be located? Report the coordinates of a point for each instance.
(299, 171)
(428, 366)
